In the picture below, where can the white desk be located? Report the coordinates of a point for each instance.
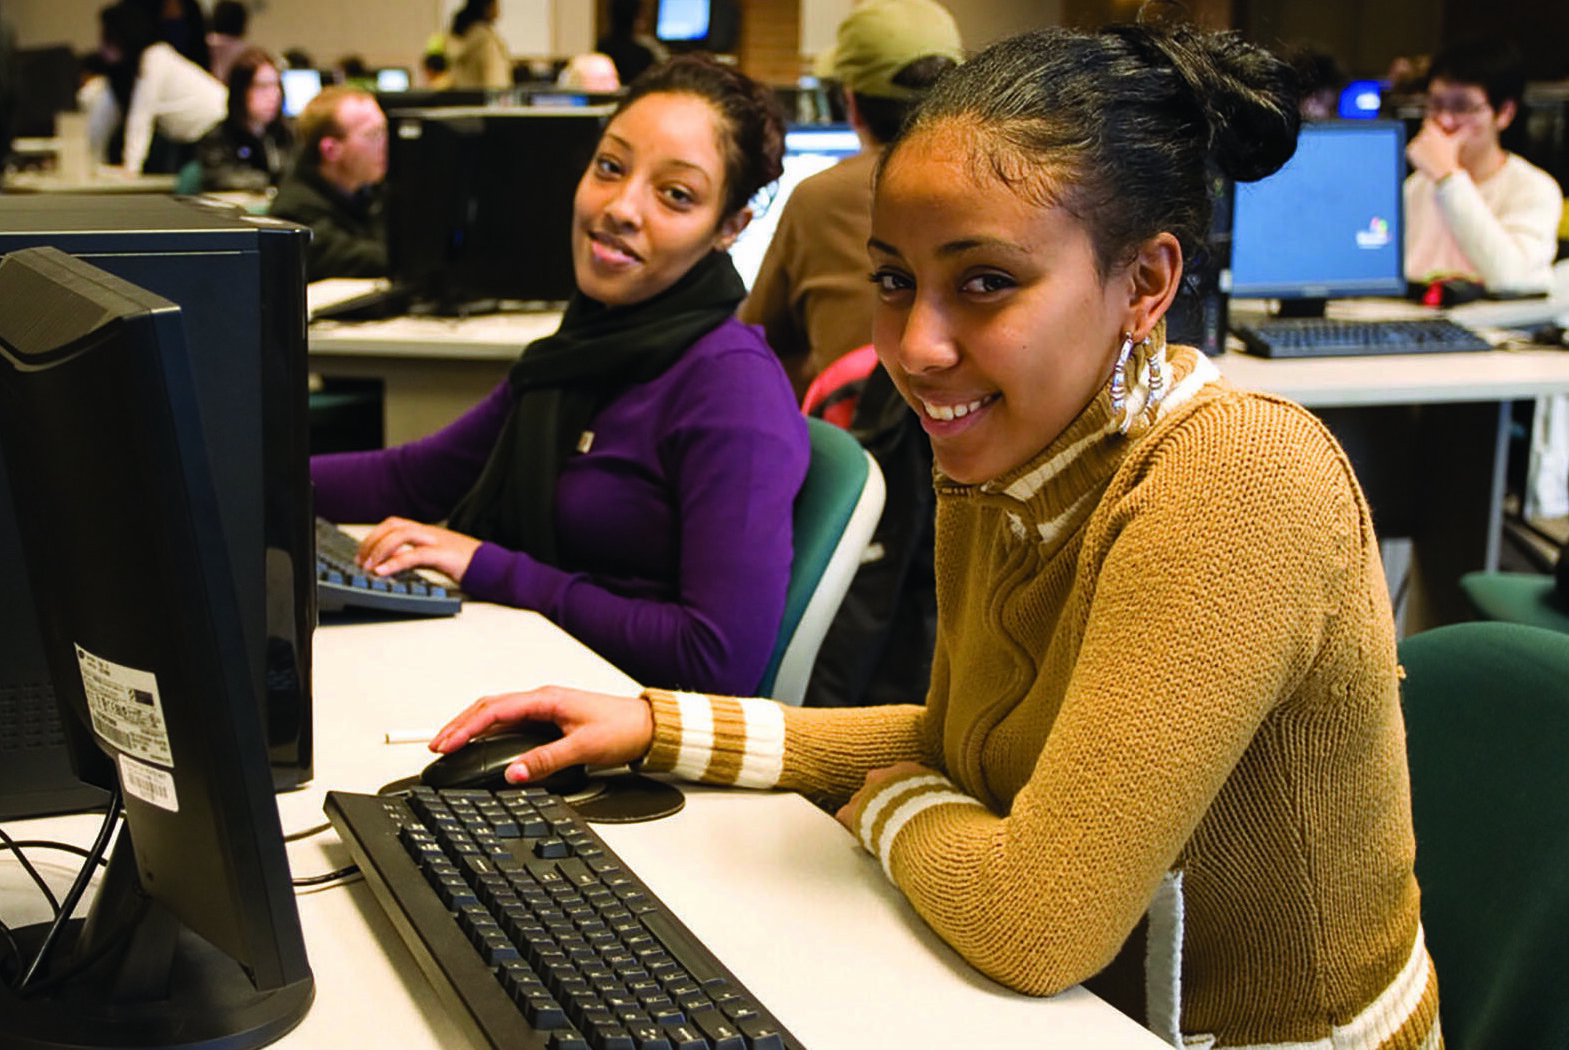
(431, 368)
(101, 180)
(775, 887)
(1428, 435)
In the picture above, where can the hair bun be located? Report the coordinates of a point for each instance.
(1249, 94)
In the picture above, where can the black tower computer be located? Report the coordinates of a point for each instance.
(1199, 315)
(239, 283)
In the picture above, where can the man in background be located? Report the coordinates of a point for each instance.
(1474, 210)
(334, 185)
(811, 294)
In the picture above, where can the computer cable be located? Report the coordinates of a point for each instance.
(78, 887)
(341, 874)
(305, 833)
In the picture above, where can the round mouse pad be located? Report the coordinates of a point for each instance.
(628, 798)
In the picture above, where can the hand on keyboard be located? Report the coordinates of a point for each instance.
(398, 545)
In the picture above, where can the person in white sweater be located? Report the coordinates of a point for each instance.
(1473, 209)
(154, 88)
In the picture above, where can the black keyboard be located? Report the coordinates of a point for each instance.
(342, 585)
(1326, 337)
(535, 932)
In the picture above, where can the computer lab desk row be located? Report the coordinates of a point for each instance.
(1428, 434)
(772, 884)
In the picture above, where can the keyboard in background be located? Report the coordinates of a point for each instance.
(533, 930)
(342, 585)
(1330, 337)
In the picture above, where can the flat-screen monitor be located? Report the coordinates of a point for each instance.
(393, 78)
(479, 202)
(710, 25)
(193, 938)
(809, 149)
(1328, 224)
(430, 98)
(299, 87)
(682, 20)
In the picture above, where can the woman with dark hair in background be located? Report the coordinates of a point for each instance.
(251, 149)
(633, 479)
(476, 55)
(154, 89)
(1163, 742)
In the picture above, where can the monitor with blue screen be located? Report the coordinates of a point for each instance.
(1328, 224)
(299, 87)
(809, 149)
(682, 20)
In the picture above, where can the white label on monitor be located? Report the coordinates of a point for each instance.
(152, 785)
(126, 710)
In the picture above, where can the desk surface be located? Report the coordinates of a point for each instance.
(105, 180)
(779, 891)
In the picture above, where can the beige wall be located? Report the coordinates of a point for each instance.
(383, 32)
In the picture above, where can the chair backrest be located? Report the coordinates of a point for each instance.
(835, 513)
(188, 179)
(1487, 720)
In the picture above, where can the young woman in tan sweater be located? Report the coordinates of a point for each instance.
(1163, 733)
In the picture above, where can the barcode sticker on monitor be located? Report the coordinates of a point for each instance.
(125, 708)
(148, 783)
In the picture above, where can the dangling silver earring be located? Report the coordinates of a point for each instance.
(1157, 377)
(1119, 381)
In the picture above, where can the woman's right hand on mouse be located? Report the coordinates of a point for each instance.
(596, 728)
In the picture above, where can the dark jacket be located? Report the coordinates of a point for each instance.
(234, 159)
(348, 234)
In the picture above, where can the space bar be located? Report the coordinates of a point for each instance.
(686, 949)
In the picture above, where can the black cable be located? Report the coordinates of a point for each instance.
(78, 887)
(8, 843)
(305, 833)
(326, 877)
(62, 847)
(108, 946)
(13, 950)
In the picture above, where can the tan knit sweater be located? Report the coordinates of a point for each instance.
(1165, 686)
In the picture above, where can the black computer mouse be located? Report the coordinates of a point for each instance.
(483, 762)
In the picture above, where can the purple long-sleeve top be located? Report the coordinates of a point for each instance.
(674, 528)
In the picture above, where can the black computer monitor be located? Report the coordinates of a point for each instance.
(1327, 225)
(479, 202)
(708, 25)
(414, 98)
(809, 149)
(193, 939)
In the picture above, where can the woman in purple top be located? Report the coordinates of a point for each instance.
(633, 477)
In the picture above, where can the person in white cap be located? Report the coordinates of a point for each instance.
(811, 294)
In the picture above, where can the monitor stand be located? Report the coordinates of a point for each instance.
(152, 982)
(1301, 308)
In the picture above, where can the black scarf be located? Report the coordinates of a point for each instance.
(563, 380)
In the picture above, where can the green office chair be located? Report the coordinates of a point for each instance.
(188, 180)
(835, 514)
(1514, 597)
(1487, 719)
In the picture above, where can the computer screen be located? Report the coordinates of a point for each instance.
(682, 20)
(1361, 100)
(809, 149)
(392, 78)
(193, 938)
(299, 87)
(479, 202)
(1329, 223)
